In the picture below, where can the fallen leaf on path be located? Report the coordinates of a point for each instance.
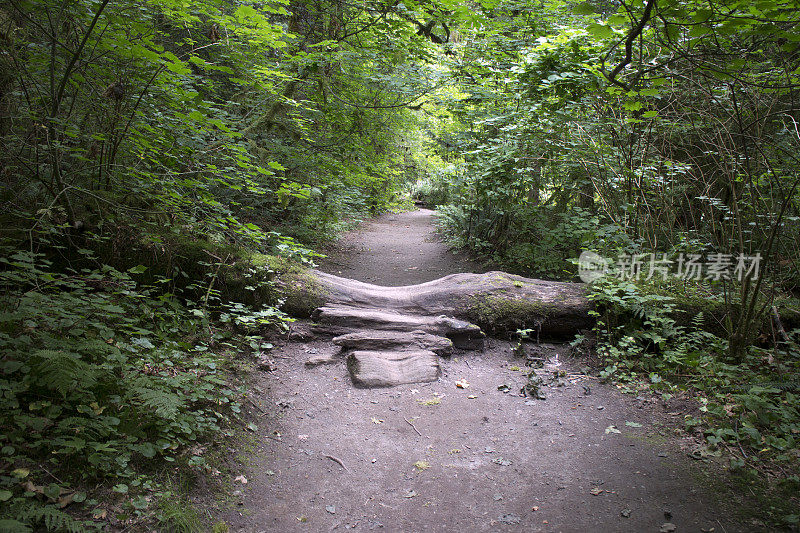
(535, 508)
(612, 429)
(596, 491)
(241, 479)
(504, 388)
(462, 384)
(471, 397)
(422, 465)
(429, 401)
(633, 424)
(331, 509)
(376, 421)
(409, 494)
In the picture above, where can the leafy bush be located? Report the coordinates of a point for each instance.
(101, 377)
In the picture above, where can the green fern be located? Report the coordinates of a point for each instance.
(13, 526)
(61, 371)
(30, 514)
(165, 404)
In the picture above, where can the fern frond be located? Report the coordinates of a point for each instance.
(51, 518)
(164, 403)
(61, 371)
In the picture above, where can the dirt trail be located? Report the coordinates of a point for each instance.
(434, 457)
(395, 250)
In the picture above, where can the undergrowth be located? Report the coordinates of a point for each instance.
(106, 384)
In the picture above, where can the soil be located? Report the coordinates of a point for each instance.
(395, 250)
(328, 456)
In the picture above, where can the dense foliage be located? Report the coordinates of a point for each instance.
(658, 135)
(158, 155)
(153, 153)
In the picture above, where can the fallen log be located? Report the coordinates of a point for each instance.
(340, 319)
(387, 369)
(495, 301)
(395, 340)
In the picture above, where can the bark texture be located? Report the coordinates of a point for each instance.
(386, 369)
(378, 340)
(494, 301)
(396, 334)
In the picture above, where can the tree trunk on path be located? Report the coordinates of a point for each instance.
(495, 301)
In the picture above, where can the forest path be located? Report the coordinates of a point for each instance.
(434, 457)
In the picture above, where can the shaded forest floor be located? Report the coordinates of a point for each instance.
(434, 457)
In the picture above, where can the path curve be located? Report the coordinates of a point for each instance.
(435, 457)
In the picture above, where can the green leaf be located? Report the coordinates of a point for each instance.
(52, 491)
(617, 20)
(5, 495)
(699, 30)
(583, 9)
(701, 15)
(178, 67)
(140, 503)
(244, 12)
(139, 269)
(600, 31)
